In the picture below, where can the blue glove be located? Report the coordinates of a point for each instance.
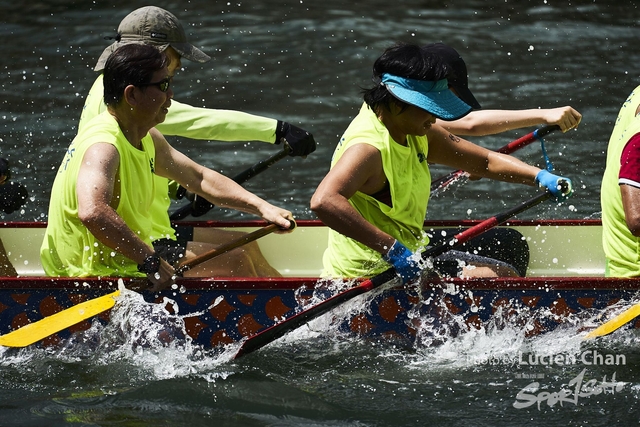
(403, 261)
(559, 186)
(300, 141)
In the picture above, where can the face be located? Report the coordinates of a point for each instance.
(414, 121)
(155, 102)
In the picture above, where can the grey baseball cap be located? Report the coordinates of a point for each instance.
(154, 26)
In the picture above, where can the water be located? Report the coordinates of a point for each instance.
(305, 62)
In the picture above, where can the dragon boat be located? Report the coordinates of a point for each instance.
(564, 283)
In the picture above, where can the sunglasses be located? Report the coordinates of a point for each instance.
(163, 84)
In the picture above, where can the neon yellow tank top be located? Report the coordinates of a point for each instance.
(409, 180)
(69, 249)
(189, 122)
(621, 248)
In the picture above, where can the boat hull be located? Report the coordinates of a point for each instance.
(221, 311)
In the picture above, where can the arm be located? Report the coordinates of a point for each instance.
(221, 125)
(95, 190)
(228, 125)
(359, 169)
(213, 186)
(450, 150)
(210, 124)
(194, 122)
(489, 122)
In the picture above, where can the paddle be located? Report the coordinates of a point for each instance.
(57, 322)
(250, 237)
(276, 331)
(616, 323)
(523, 141)
(34, 332)
(203, 206)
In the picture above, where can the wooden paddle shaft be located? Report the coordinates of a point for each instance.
(250, 237)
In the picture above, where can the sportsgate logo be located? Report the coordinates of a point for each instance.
(577, 388)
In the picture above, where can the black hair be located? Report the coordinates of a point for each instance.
(131, 64)
(403, 60)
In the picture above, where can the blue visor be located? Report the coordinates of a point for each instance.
(434, 97)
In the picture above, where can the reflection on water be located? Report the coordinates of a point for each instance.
(305, 62)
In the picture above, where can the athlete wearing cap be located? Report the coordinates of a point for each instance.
(160, 28)
(489, 122)
(375, 196)
(98, 222)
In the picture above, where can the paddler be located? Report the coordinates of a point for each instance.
(160, 28)
(374, 198)
(100, 216)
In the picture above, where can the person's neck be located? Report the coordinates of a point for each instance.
(387, 118)
(130, 127)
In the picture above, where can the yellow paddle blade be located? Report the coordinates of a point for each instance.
(611, 325)
(36, 331)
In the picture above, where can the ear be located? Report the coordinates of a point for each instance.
(130, 95)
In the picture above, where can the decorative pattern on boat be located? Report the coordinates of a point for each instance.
(218, 316)
(223, 317)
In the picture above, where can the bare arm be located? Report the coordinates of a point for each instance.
(359, 169)
(631, 205)
(213, 186)
(489, 122)
(450, 150)
(95, 189)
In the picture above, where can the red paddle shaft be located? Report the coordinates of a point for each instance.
(276, 331)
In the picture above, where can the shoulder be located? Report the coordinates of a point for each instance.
(365, 128)
(360, 159)
(156, 135)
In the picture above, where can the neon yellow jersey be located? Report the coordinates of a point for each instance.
(409, 180)
(69, 249)
(190, 122)
(621, 248)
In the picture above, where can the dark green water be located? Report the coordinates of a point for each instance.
(317, 376)
(304, 62)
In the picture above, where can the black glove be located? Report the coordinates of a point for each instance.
(300, 141)
(12, 196)
(182, 193)
(200, 206)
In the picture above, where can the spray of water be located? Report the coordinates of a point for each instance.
(146, 340)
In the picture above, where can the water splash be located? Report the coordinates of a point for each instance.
(145, 341)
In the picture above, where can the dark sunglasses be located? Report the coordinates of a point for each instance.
(163, 84)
